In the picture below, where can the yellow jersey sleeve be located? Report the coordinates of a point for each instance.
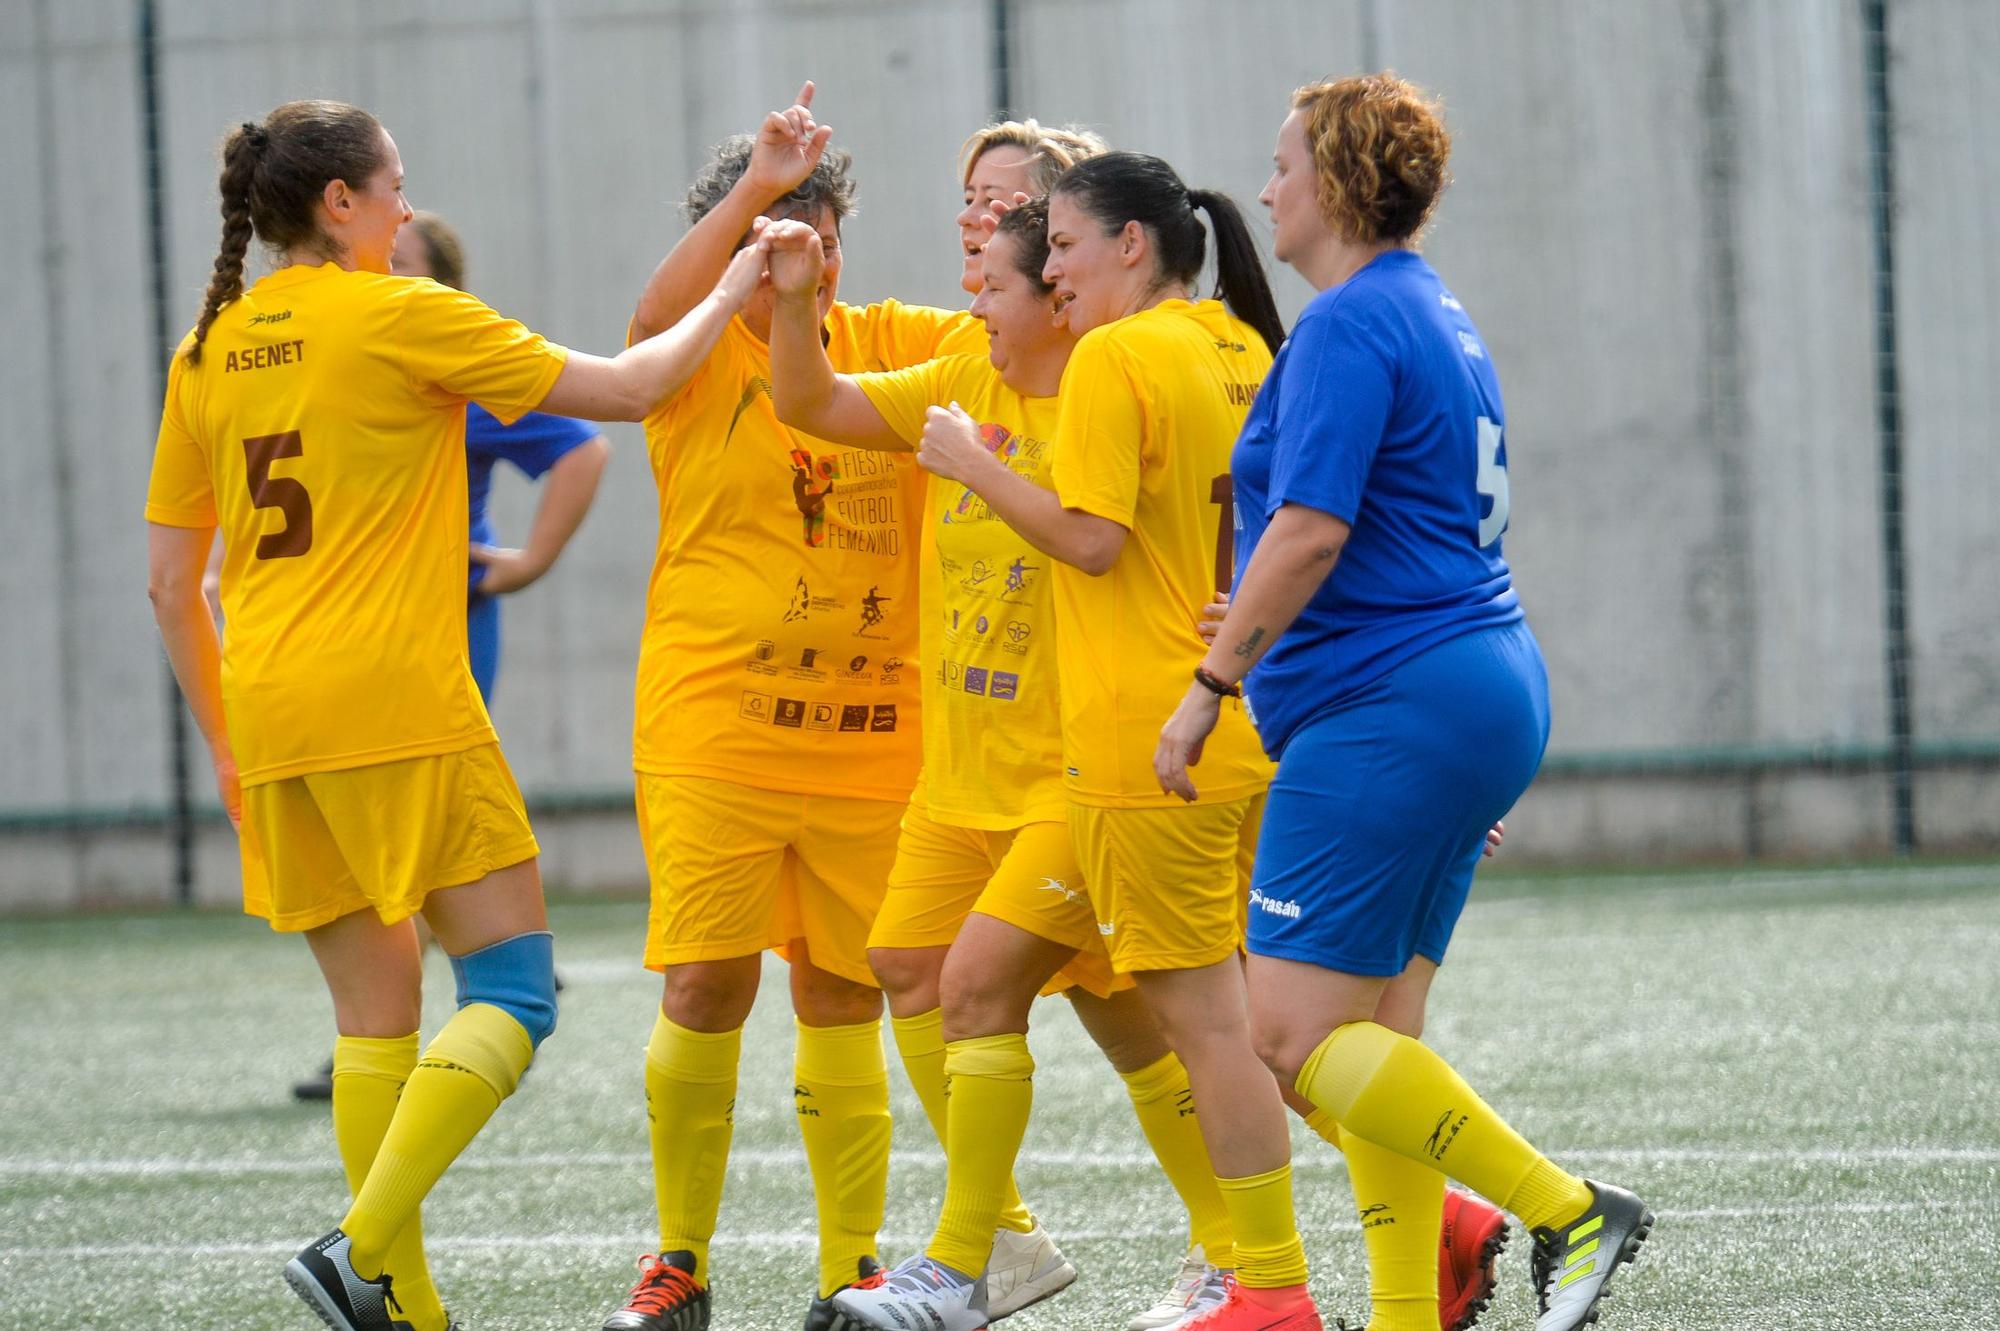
(1103, 433)
(181, 492)
(462, 348)
(905, 396)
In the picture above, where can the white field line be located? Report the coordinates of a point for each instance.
(757, 1158)
(804, 1237)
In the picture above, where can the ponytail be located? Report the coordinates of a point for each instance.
(1119, 187)
(1239, 272)
(241, 153)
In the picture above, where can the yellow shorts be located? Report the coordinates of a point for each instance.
(736, 870)
(1169, 885)
(1026, 876)
(326, 844)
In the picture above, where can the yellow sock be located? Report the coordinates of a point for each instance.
(992, 1091)
(1269, 1254)
(920, 1040)
(842, 1094)
(1165, 1106)
(1327, 1126)
(1391, 1090)
(1401, 1205)
(691, 1107)
(368, 1075)
(473, 1064)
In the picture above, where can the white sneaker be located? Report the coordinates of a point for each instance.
(1024, 1269)
(1197, 1287)
(918, 1294)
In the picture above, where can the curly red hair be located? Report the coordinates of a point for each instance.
(1379, 152)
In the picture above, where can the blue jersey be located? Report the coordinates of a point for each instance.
(1383, 410)
(533, 443)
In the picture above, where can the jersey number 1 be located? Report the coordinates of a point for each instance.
(1491, 482)
(283, 493)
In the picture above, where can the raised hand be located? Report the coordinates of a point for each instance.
(789, 145)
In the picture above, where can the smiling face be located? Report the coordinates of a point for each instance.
(1097, 275)
(1015, 309)
(1000, 172)
(364, 218)
(1292, 195)
(757, 311)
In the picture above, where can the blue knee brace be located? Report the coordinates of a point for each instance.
(516, 975)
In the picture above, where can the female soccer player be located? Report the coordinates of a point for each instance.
(985, 866)
(1001, 163)
(776, 736)
(1397, 682)
(317, 419)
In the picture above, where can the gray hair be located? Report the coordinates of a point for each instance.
(828, 187)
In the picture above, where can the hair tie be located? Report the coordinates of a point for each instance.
(256, 134)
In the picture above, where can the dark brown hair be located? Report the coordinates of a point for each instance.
(273, 176)
(1027, 225)
(1379, 154)
(1120, 187)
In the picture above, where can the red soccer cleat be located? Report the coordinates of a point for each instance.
(1469, 1242)
(1288, 1308)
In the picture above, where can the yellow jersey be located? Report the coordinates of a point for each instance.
(992, 721)
(780, 647)
(324, 433)
(1151, 406)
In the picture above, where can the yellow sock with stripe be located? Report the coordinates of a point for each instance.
(474, 1063)
(691, 1107)
(1401, 1205)
(920, 1041)
(842, 1096)
(992, 1092)
(368, 1076)
(1165, 1106)
(1269, 1254)
(1391, 1090)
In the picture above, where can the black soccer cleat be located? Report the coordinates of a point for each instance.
(667, 1298)
(1572, 1266)
(824, 1315)
(324, 1277)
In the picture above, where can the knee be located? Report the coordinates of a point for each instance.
(909, 975)
(979, 1001)
(709, 996)
(1285, 1046)
(1122, 1028)
(822, 998)
(516, 975)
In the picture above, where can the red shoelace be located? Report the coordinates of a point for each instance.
(661, 1286)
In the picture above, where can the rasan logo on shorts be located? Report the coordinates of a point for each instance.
(1288, 910)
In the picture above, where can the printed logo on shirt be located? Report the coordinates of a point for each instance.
(813, 479)
(755, 707)
(791, 712)
(1004, 686)
(822, 716)
(758, 384)
(975, 680)
(274, 317)
(872, 613)
(883, 717)
(854, 717)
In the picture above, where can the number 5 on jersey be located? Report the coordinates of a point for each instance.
(1491, 482)
(283, 493)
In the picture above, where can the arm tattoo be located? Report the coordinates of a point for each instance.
(1248, 647)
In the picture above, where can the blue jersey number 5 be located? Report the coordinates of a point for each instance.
(1491, 482)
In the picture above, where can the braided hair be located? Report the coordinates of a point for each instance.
(273, 176)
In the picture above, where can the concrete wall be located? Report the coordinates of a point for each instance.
(1660, 222)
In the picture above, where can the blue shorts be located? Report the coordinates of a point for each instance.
(482, 638)
(1382, 803)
